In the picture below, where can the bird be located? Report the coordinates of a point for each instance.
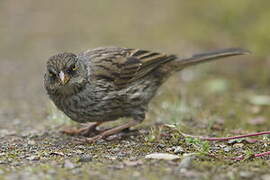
(108, 83)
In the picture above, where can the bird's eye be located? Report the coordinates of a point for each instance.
(52, 75)
(72, 69)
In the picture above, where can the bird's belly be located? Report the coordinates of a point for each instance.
(142, 92)
(84, 110)
(110, 106)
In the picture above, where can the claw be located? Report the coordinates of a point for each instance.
(93, 139)
(81, 141)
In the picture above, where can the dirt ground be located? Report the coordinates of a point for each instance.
(224, 98)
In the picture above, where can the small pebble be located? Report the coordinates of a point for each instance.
(33, 158)
(186, 163)
(163, 156)
(161, 146)
(57, 153)
(233, 141)
(238, 145)
(31, 142)
(121, 154)
(85, 158)
(68, 164)
(79, 152)
(178, 149)
(115, 149)
(227, 149)
(246, 174)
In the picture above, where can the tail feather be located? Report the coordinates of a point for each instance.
(208, 56)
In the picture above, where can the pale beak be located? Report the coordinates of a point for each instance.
(64, 79)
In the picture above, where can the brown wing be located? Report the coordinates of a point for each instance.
(124, 66)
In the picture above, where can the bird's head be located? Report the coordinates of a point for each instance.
(65, 74)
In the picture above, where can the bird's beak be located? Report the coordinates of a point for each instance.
(63, 77)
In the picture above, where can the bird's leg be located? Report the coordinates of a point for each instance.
(85, 131)
(112, 131)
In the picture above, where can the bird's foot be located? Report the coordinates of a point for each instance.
(89, 140)
(94, 139)
(108, 132)
(87, 131)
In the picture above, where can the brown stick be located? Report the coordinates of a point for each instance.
(228, 138)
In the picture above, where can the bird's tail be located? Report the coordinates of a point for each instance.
(180, 63)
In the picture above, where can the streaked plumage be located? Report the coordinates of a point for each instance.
(105, 84)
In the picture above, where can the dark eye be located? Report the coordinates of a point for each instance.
(52, 75)
(72, 69)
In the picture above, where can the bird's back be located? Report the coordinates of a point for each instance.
(123, 66)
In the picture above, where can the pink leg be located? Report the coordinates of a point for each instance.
(111, 131)
(85, 131)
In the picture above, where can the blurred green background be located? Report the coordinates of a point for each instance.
(31, 31)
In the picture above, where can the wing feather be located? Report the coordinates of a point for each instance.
(122, 66)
